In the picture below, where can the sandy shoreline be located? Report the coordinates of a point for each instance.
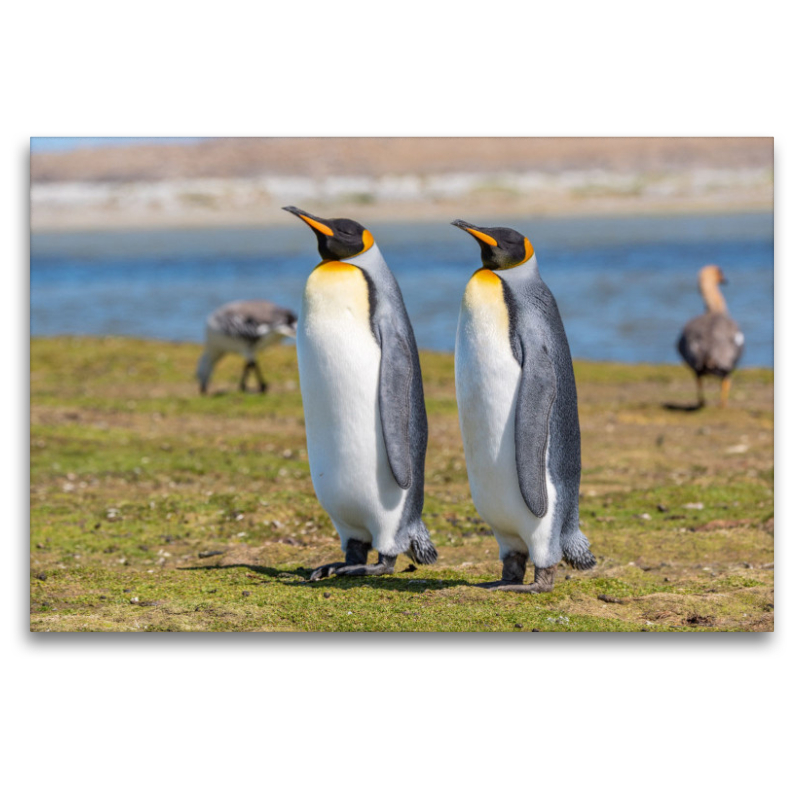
(245, 182)
(226, 204)
(87, 222)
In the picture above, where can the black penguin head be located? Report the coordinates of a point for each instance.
(336, 238)
(501, 248)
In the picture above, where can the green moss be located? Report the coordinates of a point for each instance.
(153, 508)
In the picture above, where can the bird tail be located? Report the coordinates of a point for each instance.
(421, 550)
(576, 552)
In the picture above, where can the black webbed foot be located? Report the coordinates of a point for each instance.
(514, 577)
(385, 566)
(543, 582)
(325, 571)
(355, 563)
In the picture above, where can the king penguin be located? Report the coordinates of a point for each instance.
(360, 379)
(518, 411)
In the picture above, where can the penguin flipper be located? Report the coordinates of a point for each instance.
(537, 391)
(394, 399)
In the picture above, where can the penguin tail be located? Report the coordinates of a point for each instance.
(576, 552)
(421, 550)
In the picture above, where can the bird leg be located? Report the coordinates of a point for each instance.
(543, 581)
(262, 384)
(514, 574)
(724, 391)
(245, 372)
(355, 563)
(701, 401)
(514, 565)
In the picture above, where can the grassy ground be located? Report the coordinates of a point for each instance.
(153, 508)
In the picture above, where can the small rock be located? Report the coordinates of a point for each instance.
(209, 553)
(42, 576)
(662, 508)
(608, 599)
(245, 594)
(517, 625)
(326, 595)
(737, 448)
(694, 506)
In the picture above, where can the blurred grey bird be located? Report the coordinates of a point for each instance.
(712, 343)
(243, 327)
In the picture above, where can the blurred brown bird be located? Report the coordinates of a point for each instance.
(712, 343)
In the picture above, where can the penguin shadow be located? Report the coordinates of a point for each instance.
(269, 572)
(685, 408)
(392, 582)
(218, 393)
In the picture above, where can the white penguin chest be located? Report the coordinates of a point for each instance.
(339, 363)
(339, 359)
(487, 374)
(487, 383)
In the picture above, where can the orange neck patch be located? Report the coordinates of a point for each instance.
(485, 276)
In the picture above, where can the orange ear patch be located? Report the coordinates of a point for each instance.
(528, 250)
(368, 240)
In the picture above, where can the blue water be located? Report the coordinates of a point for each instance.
(625, 286)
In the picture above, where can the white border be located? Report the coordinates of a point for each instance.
(615, 716)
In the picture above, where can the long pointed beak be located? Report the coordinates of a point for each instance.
(317, 223)
(476, 231)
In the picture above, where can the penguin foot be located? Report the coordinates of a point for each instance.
(506, 585)
(326, 571)
(385, 566)
(512, 581)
